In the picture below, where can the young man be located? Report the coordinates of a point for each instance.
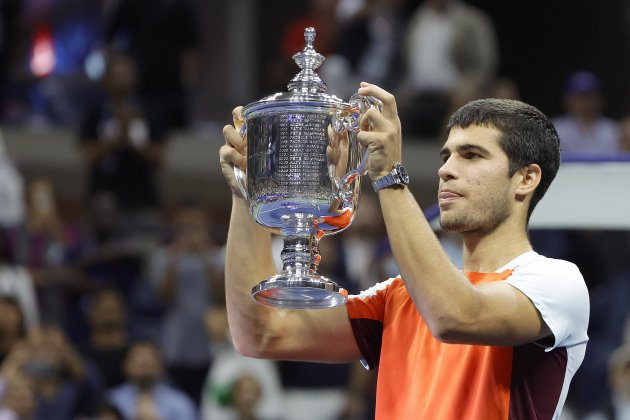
(500, 340)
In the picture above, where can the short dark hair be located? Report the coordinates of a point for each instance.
(527, 136)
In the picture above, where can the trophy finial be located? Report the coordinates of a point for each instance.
(309, 37)
(308, 60)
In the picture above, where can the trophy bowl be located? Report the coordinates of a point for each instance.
(302, 179)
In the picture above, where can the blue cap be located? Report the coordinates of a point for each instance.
(582, 82)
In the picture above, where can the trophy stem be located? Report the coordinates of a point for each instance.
(298, 257)
(299, 286)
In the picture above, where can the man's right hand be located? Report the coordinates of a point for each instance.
(233, 152)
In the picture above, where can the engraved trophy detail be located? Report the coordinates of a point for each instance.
(300, 182)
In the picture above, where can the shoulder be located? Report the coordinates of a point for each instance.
(180, 406)
(558, 291)
(549, 267)
(550, 274)
(121, 394)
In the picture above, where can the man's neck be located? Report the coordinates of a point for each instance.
(487, 252)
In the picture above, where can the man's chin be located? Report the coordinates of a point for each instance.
(449, 226)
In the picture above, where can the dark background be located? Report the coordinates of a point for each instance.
(540, 44)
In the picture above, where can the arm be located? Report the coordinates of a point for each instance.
(258, 330)
(455, 310)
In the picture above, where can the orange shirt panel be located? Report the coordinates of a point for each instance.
(422, 378)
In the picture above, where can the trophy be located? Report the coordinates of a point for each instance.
(300, 183)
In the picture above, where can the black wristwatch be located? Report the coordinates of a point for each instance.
(398, 176)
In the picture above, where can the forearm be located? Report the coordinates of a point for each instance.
(439, 290)
(248, 261)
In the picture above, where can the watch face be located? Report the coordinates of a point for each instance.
(402, 173)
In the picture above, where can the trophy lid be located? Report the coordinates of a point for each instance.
(306, 88)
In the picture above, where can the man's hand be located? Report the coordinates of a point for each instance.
(381, 133)
(233, 153)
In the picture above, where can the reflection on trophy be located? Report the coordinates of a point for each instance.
(301, 180)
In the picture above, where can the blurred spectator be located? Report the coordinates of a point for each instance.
(114, 250)
(188, 276)
(366, 251)
(320, 15)
(107, 343)
(504, 88)
(236, 386)
(48, 247)
(12, 325)
(122, 142)
(16, 283)
(107, 411)
(368, 46)
(163, 38)
(17, 401)
(583, 129)
(245, 395)
(450, 54)
(114, 258)
(625, 135)
(145, 396)
(60, 379)
(609, 296)
(11, 190)
(319, 391)
(619, 379)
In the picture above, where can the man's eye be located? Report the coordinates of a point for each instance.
(471, 155)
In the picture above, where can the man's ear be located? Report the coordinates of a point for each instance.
(529, 178)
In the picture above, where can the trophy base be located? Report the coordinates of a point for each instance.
(298, 292)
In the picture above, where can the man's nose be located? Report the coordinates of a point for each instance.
(447, 171)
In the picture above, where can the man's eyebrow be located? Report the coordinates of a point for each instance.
(467, 147)
(473, 147)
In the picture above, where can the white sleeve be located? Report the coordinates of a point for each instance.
(557, 290)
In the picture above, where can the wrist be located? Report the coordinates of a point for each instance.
(397, 177)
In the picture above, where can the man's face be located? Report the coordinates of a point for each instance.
(475, 192)
(143, 365)
(107, 311)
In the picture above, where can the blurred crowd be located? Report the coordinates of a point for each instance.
(116, 311)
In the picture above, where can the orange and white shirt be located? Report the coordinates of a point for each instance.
(420, 377)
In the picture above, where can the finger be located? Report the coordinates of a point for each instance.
(237, 117)
(371, 140)
(331, 154)
(234, 139)
(332, 137)
(390, 109)
(229, 156)
(373, 120)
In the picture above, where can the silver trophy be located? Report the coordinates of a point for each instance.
(299, 186)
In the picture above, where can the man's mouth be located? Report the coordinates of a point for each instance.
(448, 195)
